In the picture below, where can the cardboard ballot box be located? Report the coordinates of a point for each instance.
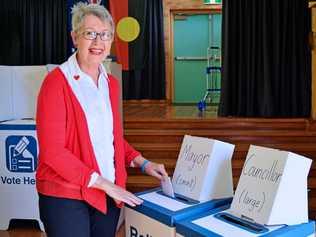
(218, 222)
(202, 180)
(272, 188)
(18, 162)
(270, 200)
(157, 215)
(203, 170)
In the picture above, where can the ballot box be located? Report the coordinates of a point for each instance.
(158, 213)
(270, 200)
(202, 180)
(218, 222)
(18, 163)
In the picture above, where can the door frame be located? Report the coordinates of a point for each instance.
(173, 13)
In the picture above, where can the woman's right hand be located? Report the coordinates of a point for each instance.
(116, 192)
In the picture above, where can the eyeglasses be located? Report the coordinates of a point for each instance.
(92, 35)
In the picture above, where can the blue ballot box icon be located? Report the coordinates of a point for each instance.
(21, 154)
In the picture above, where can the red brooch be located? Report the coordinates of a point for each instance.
(76, 77)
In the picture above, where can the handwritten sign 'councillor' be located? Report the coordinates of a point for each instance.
(270, 180)
(203, 170)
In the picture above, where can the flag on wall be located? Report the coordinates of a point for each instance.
(131, 31)
(119, 11)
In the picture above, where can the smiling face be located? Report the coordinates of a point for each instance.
(92, 52)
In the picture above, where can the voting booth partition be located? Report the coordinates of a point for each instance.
(270, 200)
(200, 165)
(18, 143)
(18, 152)
(19, 89)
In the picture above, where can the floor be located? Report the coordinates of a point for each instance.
(148, 111)
(29, 230)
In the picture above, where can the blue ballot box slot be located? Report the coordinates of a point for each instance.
(181, 198)
(15, 127)
(193, 226)
(167, 216)
(241, 223)
(157, 215)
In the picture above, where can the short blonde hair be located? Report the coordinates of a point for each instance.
(81, 10)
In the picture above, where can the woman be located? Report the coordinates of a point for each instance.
(81, 174)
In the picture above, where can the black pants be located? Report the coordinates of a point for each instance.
(64, 217)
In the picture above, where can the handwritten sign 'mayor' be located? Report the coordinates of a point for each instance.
(271, 187)
(203, 170)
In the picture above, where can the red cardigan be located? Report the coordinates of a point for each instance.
(66, 157)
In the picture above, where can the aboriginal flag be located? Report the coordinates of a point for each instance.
(131, 54)
(143, 57)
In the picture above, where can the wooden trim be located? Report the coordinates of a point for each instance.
(195, 11)
(145, 101)
(312, 4)
(313, 103)
(171, 61)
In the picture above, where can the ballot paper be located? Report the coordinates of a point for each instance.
(166, 186)
(164, 201)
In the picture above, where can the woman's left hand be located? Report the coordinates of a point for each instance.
(156, 170)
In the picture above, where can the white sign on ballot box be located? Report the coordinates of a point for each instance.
(203, 170)
(272, 188)
(18, 162)
(149, 227)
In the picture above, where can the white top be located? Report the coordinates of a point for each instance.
(95, 102)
